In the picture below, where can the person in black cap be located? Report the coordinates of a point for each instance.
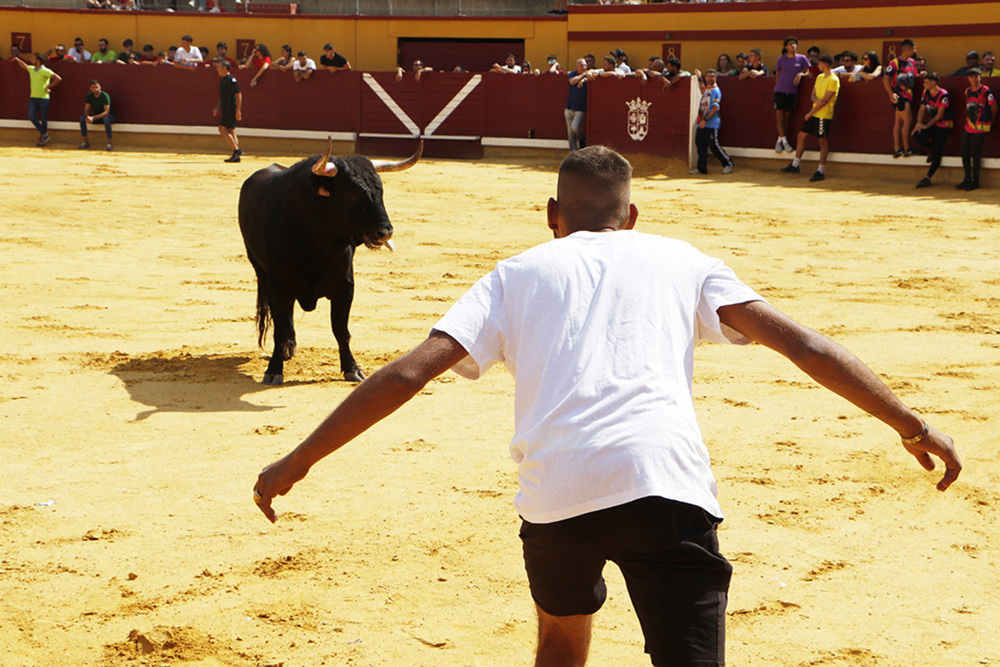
(621, 61)
(971, 60)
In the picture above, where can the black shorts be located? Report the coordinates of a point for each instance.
(818, 127)
(667, 551)
(228, 120)
(785, 101)
(901, 103)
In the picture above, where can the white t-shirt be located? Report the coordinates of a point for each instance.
(310, 64)
(79, 56)
(183, 55)
(599, 331)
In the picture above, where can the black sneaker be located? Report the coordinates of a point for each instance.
(907, 153)
(790, 169)
(818, 176)
(924, 183)
(973, 185)
(898, 153)
(961, 186)
(233, 158)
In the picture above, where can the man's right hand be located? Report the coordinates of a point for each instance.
(943, 447)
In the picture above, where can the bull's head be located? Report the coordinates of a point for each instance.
(369, 185)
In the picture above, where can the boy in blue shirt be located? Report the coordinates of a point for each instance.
(707, 133)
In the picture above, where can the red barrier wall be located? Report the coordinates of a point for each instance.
(507, 106)
(862, 120)
(667, 124)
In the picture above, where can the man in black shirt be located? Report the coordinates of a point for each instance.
(332, 60)
(229, 108)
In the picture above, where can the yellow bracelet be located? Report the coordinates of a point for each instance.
(918, 437)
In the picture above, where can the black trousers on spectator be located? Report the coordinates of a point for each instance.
(706, 138)
(933, 138)
(972, 154)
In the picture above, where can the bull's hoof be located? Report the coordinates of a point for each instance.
(273, 378)
(354, 376)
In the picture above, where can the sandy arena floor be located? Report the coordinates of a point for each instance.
(134, 426)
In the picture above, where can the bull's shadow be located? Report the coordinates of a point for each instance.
(182, 382)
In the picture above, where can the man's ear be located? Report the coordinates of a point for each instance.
(553, 214)
(633, 214)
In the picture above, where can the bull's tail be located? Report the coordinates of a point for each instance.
(263, 311)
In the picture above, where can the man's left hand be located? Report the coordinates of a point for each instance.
(276, 479)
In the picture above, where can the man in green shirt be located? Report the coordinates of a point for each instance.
(104, 54)
(42, 80)
(96, 109)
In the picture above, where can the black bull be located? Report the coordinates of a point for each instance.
(301, 225)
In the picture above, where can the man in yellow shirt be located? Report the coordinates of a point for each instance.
(42, 80)
(818, 119)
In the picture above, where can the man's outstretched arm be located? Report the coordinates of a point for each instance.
(844, 374)
(373, 400)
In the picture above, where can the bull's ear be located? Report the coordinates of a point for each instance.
(322, 191)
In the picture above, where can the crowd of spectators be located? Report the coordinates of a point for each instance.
(898, 77)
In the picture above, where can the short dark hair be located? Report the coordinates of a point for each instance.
(103, 39)
(676, 62)
(907, 42)
(328, 45)
(93, 81)
(931, 76)
(826, 58)
(222, 45)
(743, 55)
(187, 38)
(301, 53)
(127, 42)
(850, 54)
(593, 187)
(974, 71)
(789, 39)
(812, 49)
(989, 53)
(755, 50)
(147, 47)
(225, 63)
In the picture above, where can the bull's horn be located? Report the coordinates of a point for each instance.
(323, 166)
(390, 165)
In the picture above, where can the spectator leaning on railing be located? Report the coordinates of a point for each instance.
(576, 106)
(303, 67)
(78, 52)
(333, 61)
(187, 55)
(104, 54)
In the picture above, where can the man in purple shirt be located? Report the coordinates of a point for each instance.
(790, 69)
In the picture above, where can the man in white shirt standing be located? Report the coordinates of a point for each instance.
(303, 67)
(188, 55)
(598, 328)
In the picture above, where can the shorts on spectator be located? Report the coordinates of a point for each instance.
(667, 551)
(901, 103)
(228, 120)
(785, 101)
(818, 127)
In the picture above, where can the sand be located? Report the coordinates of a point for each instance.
(134, 425)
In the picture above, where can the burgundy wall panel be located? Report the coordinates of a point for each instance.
(467, 118)
(862, 120)
(500, 106)
(376, 116)
(668, 111)
(526, 105)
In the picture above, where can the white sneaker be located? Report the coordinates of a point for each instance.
(779, 145)
(788, 147)
(728, 169)
(695, 171)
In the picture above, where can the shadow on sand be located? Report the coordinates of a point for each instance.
(183, 382)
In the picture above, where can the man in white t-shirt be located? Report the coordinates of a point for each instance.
(598, 328)
(188, 54)
(303, 67)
